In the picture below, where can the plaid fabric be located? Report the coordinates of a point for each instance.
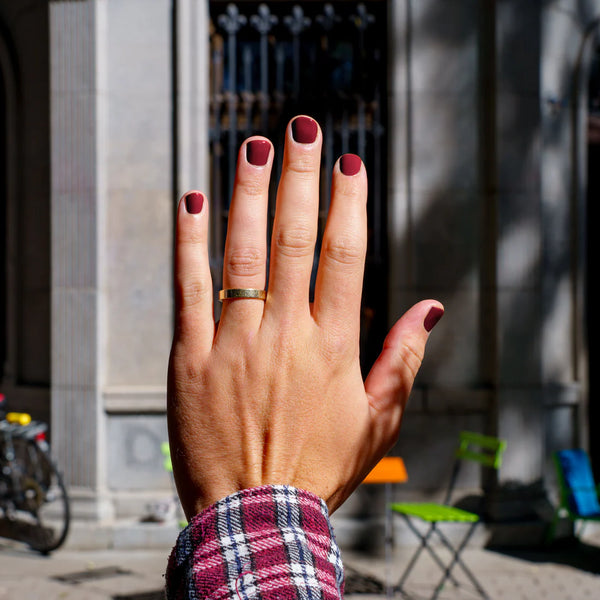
(270, 542)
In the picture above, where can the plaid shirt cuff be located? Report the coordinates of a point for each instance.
(270, 542)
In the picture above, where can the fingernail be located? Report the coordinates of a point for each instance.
(304, 130)
(433, 316)
(194, 201)
(350, 164)
(257, 152)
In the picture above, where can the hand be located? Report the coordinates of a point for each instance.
(273, 394)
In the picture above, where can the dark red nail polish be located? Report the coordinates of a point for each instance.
(350, 164)
(257, 152)
(194, 201)
(433, 316)
(304, 130)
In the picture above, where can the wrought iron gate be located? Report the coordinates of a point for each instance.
(271, 61)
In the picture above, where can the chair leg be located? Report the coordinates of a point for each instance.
(422, 546)
(415, 556)
(456, 560)
(551, 531)
(389, 542)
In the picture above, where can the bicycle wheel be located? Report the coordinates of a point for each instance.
(43, 504)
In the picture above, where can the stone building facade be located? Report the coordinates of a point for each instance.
(106, 121)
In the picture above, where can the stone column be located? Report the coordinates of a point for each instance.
(567, 46)
(519, 242)
(77, 200)
(129, 134)
(435, 218)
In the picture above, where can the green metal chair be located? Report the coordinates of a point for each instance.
(482, 449)
(579, 493)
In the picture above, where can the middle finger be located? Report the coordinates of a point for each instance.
(296, 217)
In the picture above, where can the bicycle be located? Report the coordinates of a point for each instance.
(34, 505)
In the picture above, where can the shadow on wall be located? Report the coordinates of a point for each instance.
(493, 230)
(492, 235)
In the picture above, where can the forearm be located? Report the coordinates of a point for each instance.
(267, 542)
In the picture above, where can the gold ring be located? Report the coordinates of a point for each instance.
(234, 293)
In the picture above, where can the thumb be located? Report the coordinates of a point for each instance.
(390, 380)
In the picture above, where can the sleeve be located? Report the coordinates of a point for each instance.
(267, 543)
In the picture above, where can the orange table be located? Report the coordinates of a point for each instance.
(390, 469)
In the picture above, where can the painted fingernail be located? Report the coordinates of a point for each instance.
(257, 152)
(194, 201)
(304, 130)
(350, 164)
(433, 316)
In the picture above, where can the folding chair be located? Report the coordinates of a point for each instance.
(484, 450)
(388, 471)
(578, 490)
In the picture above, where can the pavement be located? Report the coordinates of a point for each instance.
(567, 570)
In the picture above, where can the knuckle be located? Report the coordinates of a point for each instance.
(192, 237)
(343, 251)
(192, 293)
(410, 358)
(302, 166)
(296, 242)
(338, 346)
(245, 261)
(251, 187)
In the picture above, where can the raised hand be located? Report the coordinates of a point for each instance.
(273, 393)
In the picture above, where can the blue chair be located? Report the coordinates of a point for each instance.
(578, 490)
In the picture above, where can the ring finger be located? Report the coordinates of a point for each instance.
(244, 263)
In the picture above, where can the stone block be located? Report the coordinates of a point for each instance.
(138, 47)
(444, 144)
(518, 46)
(458, 401)
(75, 440)
(557, 327)
(519, 135)
(74, 240)
(134, 458)
(519, 326)
(139, 144)
(74, 332)
(521, 423)
(444, 46)
(138, 287)
(519, 252)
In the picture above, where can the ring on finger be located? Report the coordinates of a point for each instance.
(236, 293)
